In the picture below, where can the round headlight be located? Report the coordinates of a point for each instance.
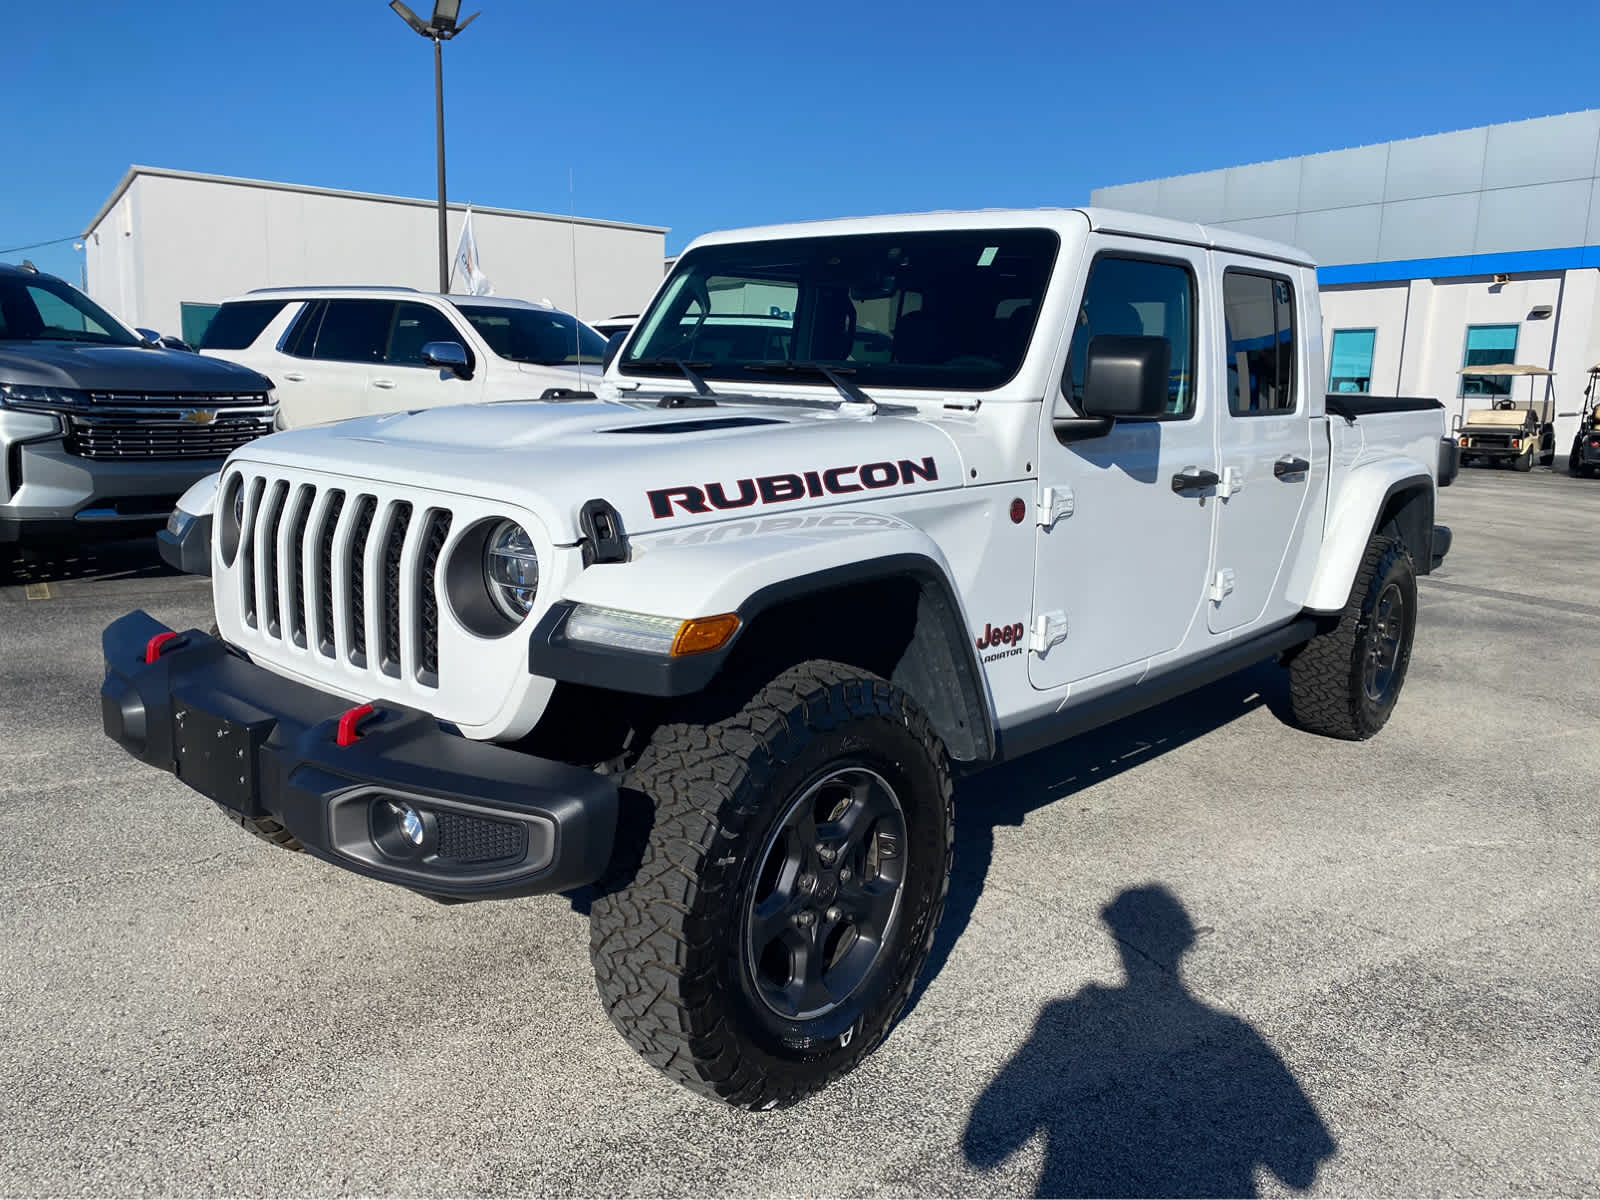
(511, 569)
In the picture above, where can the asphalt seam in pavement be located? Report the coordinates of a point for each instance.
(1587, 610)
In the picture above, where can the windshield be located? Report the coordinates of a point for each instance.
(943, 309)
(536, 335)
(38, 308)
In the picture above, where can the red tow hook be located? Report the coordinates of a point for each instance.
(350, 724)
(154, 647)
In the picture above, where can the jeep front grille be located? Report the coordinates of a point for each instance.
(349, 575)
(166, 425)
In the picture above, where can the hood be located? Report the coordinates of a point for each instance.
(122, 368)
(660, 468)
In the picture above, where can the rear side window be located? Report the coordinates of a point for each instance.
(1258, 315)
(238, 324)
(302, 336)
(1144, 298)
(415, 325)
(354, 331)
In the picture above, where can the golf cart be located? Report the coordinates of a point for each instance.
(1507, 432)
(1585, 458)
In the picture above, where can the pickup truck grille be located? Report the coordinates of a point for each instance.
(343, 573)
(167, 425)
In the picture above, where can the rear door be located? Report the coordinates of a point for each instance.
(1266, 458)
(1123, 546)
(403, 381)
(329, 355)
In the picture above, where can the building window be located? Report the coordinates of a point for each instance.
(1486, 346)
(196, 318)
(1350, 361)
(1258, 312)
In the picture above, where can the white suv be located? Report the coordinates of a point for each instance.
(341, 352)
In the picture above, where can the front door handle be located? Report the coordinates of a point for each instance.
(1191, 480)
(294, 376)
(1285, 467)
(385, 384)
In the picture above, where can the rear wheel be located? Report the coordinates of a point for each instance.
(1345, 681)
(787, 898)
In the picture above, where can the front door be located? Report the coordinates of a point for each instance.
(402, 381)
(1124, 543)
(1267, 466)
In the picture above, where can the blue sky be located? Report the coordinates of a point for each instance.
(709, 115)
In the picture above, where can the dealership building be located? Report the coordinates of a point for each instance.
(169, 246)
(1460, 249)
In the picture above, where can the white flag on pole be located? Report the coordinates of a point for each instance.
(468, 275)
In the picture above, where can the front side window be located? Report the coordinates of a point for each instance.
(937, 309)
(1488, 345)
(415, 325)
(543, 336)
(34, 310)
(236, 325)
(354, 331)
(1144, 298)
(1258, 314)
(1350, 360)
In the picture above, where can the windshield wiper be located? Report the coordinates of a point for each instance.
(677, 364)
(834, 375)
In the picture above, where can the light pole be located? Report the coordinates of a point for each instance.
(440, 30)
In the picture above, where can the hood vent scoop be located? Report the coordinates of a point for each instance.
(704, 425)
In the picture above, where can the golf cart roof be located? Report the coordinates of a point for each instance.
(1505, 369)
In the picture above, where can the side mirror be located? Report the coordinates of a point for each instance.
(150, 336)
(447, 356)
(613, 345)
(1126, 375)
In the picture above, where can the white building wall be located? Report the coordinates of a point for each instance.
(172, 239)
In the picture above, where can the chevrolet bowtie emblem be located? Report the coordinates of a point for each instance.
(200, 416)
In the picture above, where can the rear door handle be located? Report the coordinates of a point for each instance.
(385, 384)
(1185, 482)
(1285, 467)
(294, 376)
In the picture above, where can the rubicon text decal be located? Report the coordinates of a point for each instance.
(778, 489)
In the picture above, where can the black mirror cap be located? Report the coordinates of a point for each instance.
(613, 344)
(1126, 375)
(448, 356)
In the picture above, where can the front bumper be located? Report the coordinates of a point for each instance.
(495, 823)
(185, 544)
(47, 494)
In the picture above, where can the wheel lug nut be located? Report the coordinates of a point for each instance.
(804, 918)
(827, 853)
(806, 882)
(833, 913)
(844, 874)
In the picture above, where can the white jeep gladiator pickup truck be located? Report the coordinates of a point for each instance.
(858, 505)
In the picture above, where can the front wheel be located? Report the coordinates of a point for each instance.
(788, 894)
(1345, 681)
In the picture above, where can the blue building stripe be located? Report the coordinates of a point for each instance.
(1566, 259)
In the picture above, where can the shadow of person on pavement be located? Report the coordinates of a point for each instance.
(1143, 1089)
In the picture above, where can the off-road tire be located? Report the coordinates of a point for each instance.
(667, 939)
(1327, 691)
(265, 828)
(1523, 462)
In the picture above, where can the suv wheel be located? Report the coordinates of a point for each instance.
(788, 894)
(1345, 681)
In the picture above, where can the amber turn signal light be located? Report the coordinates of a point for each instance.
(704, 634)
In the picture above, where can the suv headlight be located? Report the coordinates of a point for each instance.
(511, 570)
(33, 398)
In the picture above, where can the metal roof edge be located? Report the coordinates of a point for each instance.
(273, 185)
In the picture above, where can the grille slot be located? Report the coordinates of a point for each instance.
(247, 551)
(330, 523)
(270, 520)
(434, 534)
(394, 545)
(304, 496)
(366, 506)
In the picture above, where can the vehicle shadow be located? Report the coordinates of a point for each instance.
(133, 558)
(1143, 1089)
(1005, 795)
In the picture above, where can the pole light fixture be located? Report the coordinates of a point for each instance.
(444, 26)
